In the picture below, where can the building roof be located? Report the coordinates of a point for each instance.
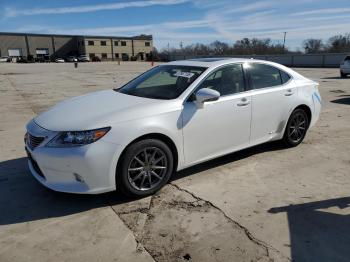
(138, 37)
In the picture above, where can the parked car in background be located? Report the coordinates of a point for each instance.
(71, 59)
(43, 59)
(96, 59)
(83, 58)
(171, 117)
(30, 59)
(22, 59)
(125, 57)
(345, 67)
(5, 59)
(59, 60)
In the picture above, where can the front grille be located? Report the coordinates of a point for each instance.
(34, 141)
(35, 165)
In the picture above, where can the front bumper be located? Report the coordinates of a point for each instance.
(88, 169)
(345, 70)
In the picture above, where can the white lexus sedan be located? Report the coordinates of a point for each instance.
(345, 67)
(169, 118)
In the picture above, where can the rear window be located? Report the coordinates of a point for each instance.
(347, 58)
(284, 76)
(263, 76)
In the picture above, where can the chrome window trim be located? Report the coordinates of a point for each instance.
(268, 87)
(246, 84)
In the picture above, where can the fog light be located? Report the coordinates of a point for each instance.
(78, 178)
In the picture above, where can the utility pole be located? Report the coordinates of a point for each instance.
(181, 45)
(284, 40)
(168, 51)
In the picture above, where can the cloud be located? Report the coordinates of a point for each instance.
(227, 21)
(10, 12)
(268, 19)
(323, 11)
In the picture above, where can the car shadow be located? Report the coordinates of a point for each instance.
(318, 233)
(333, 77)
(271, 146)
(344, 100)
(23, 199)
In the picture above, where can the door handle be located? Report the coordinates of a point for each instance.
(244, 102)
(289, 92)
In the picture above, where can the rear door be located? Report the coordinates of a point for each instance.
(272, 100)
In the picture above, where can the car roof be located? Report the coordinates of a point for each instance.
(213, 61)
(218, 61)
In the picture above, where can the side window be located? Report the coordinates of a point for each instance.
(226, 80)
(285, 77)
(264, 76)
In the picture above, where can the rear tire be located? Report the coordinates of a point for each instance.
(296, 128)
(145, 167)
(342, 75)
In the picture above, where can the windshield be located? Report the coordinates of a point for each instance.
(163, 82)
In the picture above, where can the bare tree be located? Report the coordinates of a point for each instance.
(339, 43)
(256, 46)
(220, 48)
(312, 46)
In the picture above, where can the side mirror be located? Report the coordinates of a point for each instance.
(206, 95)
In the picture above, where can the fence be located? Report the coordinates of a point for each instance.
(291, 60)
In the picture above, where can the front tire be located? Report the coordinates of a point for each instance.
(296, 128)
(342, 75)
(146, 166)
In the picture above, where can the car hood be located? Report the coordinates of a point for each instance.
(99, 109)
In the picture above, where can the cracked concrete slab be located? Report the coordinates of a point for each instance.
(177, 225)
(94, 235)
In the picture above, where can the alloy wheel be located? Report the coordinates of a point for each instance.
(147, 168)
(297, 127)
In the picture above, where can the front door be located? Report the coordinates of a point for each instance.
(218, 127)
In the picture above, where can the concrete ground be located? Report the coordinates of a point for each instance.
(266, 203)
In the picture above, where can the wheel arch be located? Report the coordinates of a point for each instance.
(307, 109)
(164, 138)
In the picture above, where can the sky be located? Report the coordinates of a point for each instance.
(188, 21)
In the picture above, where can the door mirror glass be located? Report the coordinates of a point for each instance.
(206, 95)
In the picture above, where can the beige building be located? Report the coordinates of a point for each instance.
(36, 46)
(139, 47)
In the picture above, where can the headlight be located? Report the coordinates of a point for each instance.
(77, 138)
